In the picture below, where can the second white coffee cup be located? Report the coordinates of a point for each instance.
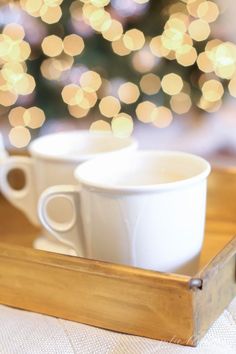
(146, 209)
(53, 160)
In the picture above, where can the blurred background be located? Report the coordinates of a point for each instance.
(163, 71)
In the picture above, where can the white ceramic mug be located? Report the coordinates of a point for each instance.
(3, 153)
(146, 209)
(53, 160)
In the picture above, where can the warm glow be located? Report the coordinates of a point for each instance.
(50, 69)
(141, 1)
(119, 48)
(73, 44)
(209, 106)
(134, 39)
(100, 20)
(50, 14)
(100, 125)
(204, 63)
(100, 3)
(7, 98)
(199, 30)
(180, 103)
(25, 85)
(186, 55)
(90, 81)
(150, 84)
(72, 94)
(161, 117)
(128, 93)
(172, 38)
(16, 116)
(208, 11)
(14, 31)
(193, 5)
(144, 111)
(52, 46)
(157, 48)
(172, 84)
(232, 87)
(89, 99)
(34, 117)
(212, 90)
(19, 136)
(114, 31)
(77, 111)
(122, 125)
(143, 60)
(109, 106)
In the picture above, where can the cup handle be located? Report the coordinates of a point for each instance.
(24, 199)
(68, 233)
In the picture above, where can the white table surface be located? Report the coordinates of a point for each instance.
(23, 332)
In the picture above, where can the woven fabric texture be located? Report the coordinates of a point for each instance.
(23, 332)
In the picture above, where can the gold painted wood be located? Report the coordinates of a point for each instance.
(157, 305)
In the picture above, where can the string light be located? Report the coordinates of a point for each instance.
(188, 22)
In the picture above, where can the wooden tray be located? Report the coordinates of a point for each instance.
(157, 305)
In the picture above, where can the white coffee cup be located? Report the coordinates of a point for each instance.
(146, 209)
(53, 160)
(3, 152)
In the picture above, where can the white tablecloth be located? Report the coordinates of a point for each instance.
(22, 332)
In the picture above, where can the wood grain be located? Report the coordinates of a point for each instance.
(156, 305)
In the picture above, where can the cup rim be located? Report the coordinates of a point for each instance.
(104, 187)
(132, 144)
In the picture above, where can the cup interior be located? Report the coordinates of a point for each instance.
(78, 146)
(143, 169)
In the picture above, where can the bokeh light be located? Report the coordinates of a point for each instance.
(128, 92)
(90, 81)
(134, 39)
(100, 126)
(161, 117)
(232, 87)
(199, 30)
(52, 46)
(34, 117)
(177, 62)
(172, 84)
(212, 90)
(73, 44)
(122, 125)
(19, 136)
(144, 111)
(109, 106)
(150, 84)
(180, 103)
